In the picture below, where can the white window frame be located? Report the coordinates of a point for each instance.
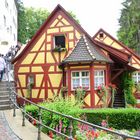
(136, 76)
(80, 78)
(99, 76)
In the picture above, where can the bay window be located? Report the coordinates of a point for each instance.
(99, 78)
(80, 79)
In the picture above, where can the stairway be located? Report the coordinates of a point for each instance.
(119, 100)
(4, 96)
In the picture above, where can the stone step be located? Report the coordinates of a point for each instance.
(122, 101)
(119, 101)
(6, 84)
(4, 92)
(4, 88)
(118, 106)
(117, 96)
(4, 102)
(5, 107)
(4, 97)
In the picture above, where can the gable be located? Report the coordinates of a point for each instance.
(104, 37)
(58, 22)
(39, 59)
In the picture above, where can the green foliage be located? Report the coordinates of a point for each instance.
(30, 20)
(74, 16)
(65, 106)
(127, 86)
(80, 94)
(32, 109)
(129, 32)
(117, 118)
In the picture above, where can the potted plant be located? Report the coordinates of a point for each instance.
(59, 49)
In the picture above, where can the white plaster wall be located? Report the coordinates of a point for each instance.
(8, 30)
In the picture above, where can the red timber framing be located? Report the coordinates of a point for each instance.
(110, 43)
(39, 59)
(92, 92)
(69, 80)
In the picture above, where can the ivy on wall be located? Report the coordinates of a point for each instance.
(127, 87)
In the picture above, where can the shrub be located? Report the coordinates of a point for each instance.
(64, 106)
(32, 110)
(117, 118)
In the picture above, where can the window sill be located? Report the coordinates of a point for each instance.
(59, 49)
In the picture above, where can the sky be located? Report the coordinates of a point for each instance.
(92, 14)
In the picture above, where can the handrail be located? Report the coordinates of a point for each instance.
(70, 137)
(67, 116)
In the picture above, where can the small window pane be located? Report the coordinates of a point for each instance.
(98, 78)
(95, 73)
(80, 79)
(76, 83)
(75, 74)
(85, 82)
(85, 73)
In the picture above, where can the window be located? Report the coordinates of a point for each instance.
(101, 35)
(80, 78)
(4, 18)
(136, 77)
(31, 79)
(59, 41)
(7, 29)
(99, 78)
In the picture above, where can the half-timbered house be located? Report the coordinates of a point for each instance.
(63, 54)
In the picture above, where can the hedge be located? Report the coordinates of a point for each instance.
(128, 118)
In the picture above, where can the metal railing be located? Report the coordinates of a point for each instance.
(13, 96)
(40, 124)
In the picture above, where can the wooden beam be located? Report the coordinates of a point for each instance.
(117, 74)
(92, 93)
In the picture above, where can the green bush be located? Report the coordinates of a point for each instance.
(32, 110)
(117, 118)
(65, 106)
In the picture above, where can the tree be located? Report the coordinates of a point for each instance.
(29, 21)
(129, 32)
(74, 16)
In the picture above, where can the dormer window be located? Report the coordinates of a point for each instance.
(59, 43)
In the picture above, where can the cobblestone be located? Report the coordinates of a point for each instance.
(6, 132)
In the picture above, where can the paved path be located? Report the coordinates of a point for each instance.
(27, 132)
(6, 132)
